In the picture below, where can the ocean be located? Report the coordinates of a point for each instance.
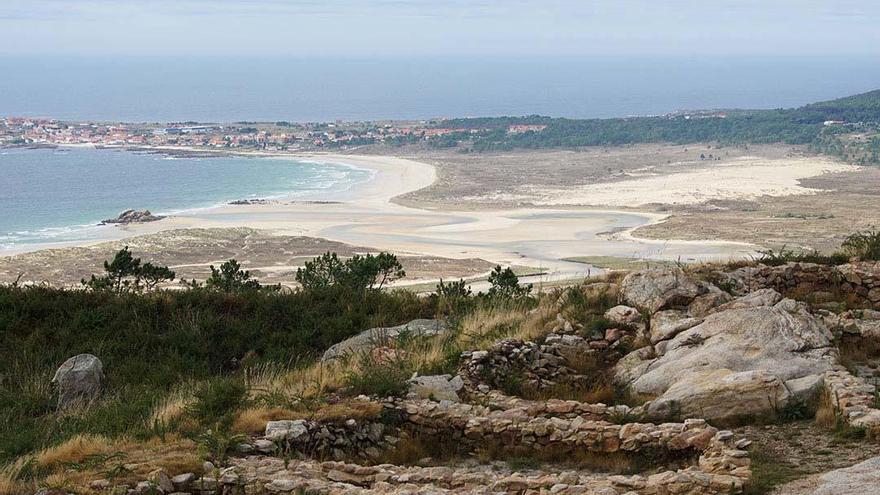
(230, 89)
(59, 195)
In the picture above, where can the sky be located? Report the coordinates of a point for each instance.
(366, 28)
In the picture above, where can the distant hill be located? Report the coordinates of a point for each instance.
(863, 107)
(804, 125)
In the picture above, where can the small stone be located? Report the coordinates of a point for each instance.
(161, 479)
(280, 486)
(265, 446)
(183, 481)
(99, 485)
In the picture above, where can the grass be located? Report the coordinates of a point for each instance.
(153, 343)
(768, 472)
(188, 372)
(862, 245)
(620, 262)
(830, 418)
(72, 464)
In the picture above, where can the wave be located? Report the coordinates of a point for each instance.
(310, 180)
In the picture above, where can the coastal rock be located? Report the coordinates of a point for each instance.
(247, 202)
(133, 216)
(79, 379)
(377, 337)
(658, 288)
(750, 351)
(861, 479)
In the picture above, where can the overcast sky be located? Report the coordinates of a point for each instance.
(439, 27)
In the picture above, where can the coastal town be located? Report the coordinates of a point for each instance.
(277, 136)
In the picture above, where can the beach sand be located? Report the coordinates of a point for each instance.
(541, 235)
(368, 216)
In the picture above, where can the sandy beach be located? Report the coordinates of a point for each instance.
(367, 215)
(544, 234)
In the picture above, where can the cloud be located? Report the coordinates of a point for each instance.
(388, 27)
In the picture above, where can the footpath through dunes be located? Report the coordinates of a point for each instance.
(655, 382)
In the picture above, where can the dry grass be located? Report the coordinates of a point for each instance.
(826, 413)
(253, 420)
(75, 450)
(10, 484)
(74, 463)
(172, 408)
(476, 331)
(173, 454)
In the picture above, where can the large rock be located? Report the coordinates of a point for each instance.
(659, 288)
(436, 387)
(78, 380)
(861, 479)
(379, 337)
(669, 323)
(133, 216)
(624, 315)
(285, 429)
(758, 298)
(735, 363)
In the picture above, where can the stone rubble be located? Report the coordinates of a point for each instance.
(707, 349)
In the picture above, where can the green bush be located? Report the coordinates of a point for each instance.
(865, 245)
(150, 342)
(505, 284)
(379, 378)
(356, 273)
(770, 257)
(217, 400)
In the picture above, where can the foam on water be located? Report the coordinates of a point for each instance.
(56, 196)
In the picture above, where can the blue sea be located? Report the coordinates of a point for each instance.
(53, 195)
(57, 195)
(229, 89)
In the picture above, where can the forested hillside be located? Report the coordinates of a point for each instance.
(804, 125)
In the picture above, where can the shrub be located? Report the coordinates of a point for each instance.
(770, 257)
(865, 245)
(126, 273)
(217, 401)
(218, 443)
(505, 284)
(231, 278)
(356, 273)
(379, 378)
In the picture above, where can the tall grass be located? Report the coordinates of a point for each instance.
(152, 343)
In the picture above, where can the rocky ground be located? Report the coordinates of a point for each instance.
(711, 380)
